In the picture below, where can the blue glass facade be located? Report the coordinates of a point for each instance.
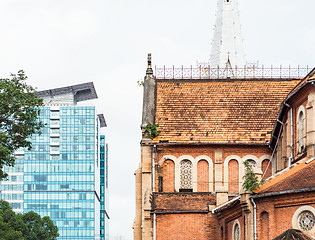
(60, 176)
(104, 189)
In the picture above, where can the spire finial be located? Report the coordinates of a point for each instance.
(149, 68)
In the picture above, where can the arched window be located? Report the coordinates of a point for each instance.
(233, 177)
(300, 129)
(266, 167)
(252, 162)
(306, 220)
(186, 176)
(203, 176)
(168, 181)
(236, 230)
(264, 218)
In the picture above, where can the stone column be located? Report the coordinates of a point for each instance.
(149, 96)
(142, 224)
(146, 161)
(137, 231)
(220, 190)
(249, 219)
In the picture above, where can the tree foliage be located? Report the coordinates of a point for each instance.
(152, 130)
(251, 181)
(19, 112)
(27, 226)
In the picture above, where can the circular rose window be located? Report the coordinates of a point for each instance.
(306, 220)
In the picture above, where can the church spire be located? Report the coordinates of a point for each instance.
(227, 40)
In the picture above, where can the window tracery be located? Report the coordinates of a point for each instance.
(236, 232)
(301, 133)
(306, 220)
(186, 175)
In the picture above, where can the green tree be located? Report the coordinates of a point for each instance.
(19, 112)
(27, 226)
(39, 228)
(251, 181)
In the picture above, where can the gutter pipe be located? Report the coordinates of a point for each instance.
(153, 189)
(224, 204)
(254, 216)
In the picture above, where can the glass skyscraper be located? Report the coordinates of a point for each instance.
(60, 176)
(104, 189)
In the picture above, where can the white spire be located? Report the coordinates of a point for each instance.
(227, 40)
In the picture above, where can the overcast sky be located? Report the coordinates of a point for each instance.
(65, 42)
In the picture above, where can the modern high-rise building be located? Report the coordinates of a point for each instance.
(104, 189)
(60, 176)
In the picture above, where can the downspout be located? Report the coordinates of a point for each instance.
(153, 189)
(254, 216)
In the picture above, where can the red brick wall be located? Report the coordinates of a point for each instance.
(182, 201)
(264, 225)
(203, 176)
(233, 168)
(168, 176)
(280, 210)
(181, 216)
(185, 227)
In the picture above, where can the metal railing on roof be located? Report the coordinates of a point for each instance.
(207, 72)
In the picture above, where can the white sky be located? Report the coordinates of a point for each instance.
(65, 42)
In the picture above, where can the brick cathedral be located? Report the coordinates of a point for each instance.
(211, 120)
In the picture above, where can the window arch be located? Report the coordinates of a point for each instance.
(236, 234)
(264, 218)
(202, 176)
(301, 130)
(186, 184)
(233, 176)
(252, 162)
(168, 176)
(304, 219)
(266, 167)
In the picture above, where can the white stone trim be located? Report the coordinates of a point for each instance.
(167, 157)
(256, 169)
(298, 144)
(296, 214)
(194, 162)
(226, 170)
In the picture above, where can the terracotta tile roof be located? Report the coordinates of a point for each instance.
(219, 111)
(293, 234)
(300, 176)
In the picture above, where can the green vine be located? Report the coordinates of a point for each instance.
(251, 181)
(140, 83)
(152, 130)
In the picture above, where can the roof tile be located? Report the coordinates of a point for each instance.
(218, 111)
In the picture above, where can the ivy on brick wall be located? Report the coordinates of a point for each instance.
(152, 130)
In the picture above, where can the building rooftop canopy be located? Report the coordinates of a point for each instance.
(82, 92)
